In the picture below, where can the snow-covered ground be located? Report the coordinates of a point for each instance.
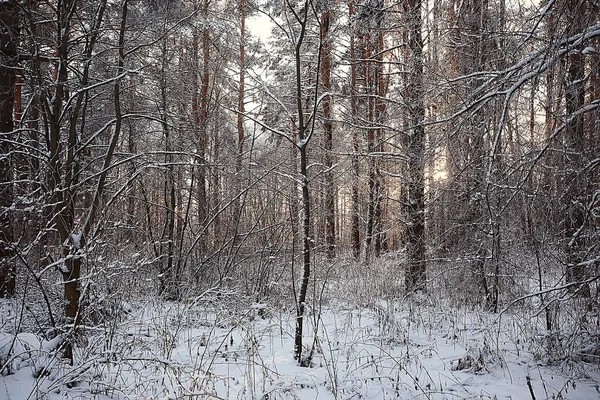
(384, 350)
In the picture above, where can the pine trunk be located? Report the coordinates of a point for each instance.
(9, 18)
(416, 266)
(328, 134)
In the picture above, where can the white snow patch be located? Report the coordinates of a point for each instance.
(385, 350)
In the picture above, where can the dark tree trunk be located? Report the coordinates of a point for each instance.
(373, 223)
(241, 134)
(466, 144)
(9, 36)
(303, 134)
(575, 156)
(355, 216)
(167, 279)
(200, 94)
(374, 82)
(415, 231)
(328, 134)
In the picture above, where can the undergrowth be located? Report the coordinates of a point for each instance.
(366, 337)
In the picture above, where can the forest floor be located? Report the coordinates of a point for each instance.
(383, 350)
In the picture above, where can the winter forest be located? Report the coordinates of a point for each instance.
(299, 199)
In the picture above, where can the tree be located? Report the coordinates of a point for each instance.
(326, 45)
(299, 101)
(9, 31)
(70, 213)
(304, 134)
(241, 134)
(415, 202)
(467, 143)
(577, 199)
(355, 192)
(370, 19)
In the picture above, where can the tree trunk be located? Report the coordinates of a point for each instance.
(167, 279)
(496, 171)
(416, 266)
(466, 145)
(372, 55)
(575, 156)
(303, 138)
(374, 186)
(328, 133)
(380, 109)
(355, 216)
(200, 116)
(241, 134)
(9, 18)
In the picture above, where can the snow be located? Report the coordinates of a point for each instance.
(62, 267)
(384, 350)
(76, 240)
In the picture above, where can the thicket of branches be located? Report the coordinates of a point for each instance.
(158, 148)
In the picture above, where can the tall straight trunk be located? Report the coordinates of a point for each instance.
(131, 148)
(200, 117)
(415, 274)
(495, 172)
(328, 133)
(9, 18)
(454, 205)
(372, 224)
(594, 118)
(241, 134)
(203, 121)
(372, 54)
(355, 216)
(35, 80)
(476, 127)
(466, 144)
(380, 109)
(303, 134)
(216, 184)
(241, 95)
(294, 208)
(167, 280)
(554, 97)
(575, 156)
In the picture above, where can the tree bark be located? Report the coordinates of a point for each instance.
(167, 278)
(416, 265)
(355, 216)
(372, 63)
(466, 144)
(575, 156)
(200, 117)
(241, 134)
(9, 37)
(328, 133)
(303, 138)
